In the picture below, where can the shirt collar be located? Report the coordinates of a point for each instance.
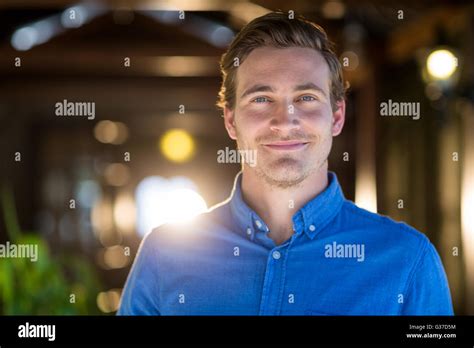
(310, 219)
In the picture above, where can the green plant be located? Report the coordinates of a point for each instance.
(43, 287)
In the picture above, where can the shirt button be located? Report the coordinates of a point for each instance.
(276, 254)
(249, 231)
(258, 223)
(312, 228)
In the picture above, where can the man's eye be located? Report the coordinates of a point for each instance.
(260, 100)
(307, 98)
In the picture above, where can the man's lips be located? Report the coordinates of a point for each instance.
(286, 145)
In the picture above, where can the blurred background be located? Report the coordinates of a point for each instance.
(87, 190)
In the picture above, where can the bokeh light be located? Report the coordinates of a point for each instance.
(441, 64)
(177, 145)
(110, 132)
(161, 201)
(108, 301)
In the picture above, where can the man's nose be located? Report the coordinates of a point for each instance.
(285, 118)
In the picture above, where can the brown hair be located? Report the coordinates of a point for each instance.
(276, 29)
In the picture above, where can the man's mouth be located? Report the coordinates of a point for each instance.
(289, 145)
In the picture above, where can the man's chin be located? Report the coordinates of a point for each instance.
(283, 176)
(284, 182)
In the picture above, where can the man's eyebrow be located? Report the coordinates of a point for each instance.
(255, 89)
(309, 85)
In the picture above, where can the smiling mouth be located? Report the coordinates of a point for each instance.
(292, 145)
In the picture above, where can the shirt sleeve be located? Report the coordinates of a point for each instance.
(140, 295)
(428, 290)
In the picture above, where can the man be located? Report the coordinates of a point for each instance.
(286, 242)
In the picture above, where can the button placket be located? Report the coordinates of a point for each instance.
(272, 283)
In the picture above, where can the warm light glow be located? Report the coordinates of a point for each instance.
(184, 66)
(124, 212)
(177, 145)
(183, 204)
(102, 220)
(441, 64)
(185, 5)
(161, 201)
(116, 174)
(110, 132)
(349, 60)
(366, 191)
(101, 217)
(114, 257)
(333, 9)
(108, 301)
(246, 11)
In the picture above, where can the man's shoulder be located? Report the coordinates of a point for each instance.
(382, 226)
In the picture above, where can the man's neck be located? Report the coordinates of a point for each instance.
(276, 206)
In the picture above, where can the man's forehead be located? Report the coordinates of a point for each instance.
(283, 68)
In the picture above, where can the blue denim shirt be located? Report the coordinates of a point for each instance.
(341, 260)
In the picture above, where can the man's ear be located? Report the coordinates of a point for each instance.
(338, 117)
(229, 122)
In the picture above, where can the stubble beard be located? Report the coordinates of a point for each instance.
(288, 171)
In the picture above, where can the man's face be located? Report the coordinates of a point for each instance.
(283, 112)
